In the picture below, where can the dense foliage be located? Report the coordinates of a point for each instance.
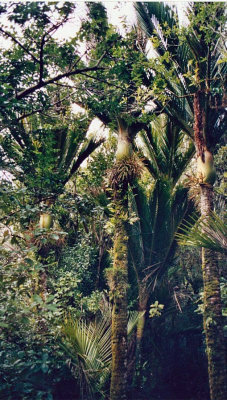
(62, 284)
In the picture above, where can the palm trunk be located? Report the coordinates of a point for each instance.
(213, 324)
(120, 275)
(119, 314)
(126, 169)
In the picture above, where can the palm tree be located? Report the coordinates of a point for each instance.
(152, 242)
(124, 172)
(45, 152)
(196, 97)
(113, 99)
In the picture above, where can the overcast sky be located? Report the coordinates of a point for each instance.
(116, 10)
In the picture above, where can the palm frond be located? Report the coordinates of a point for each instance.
(163, 149)
(88, 345)
(140, 233)
(152, 238)
(153, 19)
(210, 233)
(150, 14)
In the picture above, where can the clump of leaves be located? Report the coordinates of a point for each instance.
(155, 309)
(124, 172)
(46, 240)
(88, 347)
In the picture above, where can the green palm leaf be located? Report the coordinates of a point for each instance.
(84, 152)
(210, 233)
(88, 345)
(161, 148)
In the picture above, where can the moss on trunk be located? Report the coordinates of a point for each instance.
(213, 324)
(119, 314)
(118, 277)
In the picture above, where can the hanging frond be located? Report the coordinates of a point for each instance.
(84, 152)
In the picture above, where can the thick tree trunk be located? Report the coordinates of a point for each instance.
(213, 324)
(119, 315)
(119, 273)
(126, 169)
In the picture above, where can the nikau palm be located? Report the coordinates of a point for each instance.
(195, 86)
(46, 152)
(152, 242)
(124, 172)
(114, 101)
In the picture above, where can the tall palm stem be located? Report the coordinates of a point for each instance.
(119, 313)
(212, 318)
(208, 122)
(119, 276)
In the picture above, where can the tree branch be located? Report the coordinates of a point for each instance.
(41, 59)
(42, 84)
(19, 44)
(102, 80)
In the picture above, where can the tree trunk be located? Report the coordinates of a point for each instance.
(119, 315)
(119, 276)
(213, 324)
